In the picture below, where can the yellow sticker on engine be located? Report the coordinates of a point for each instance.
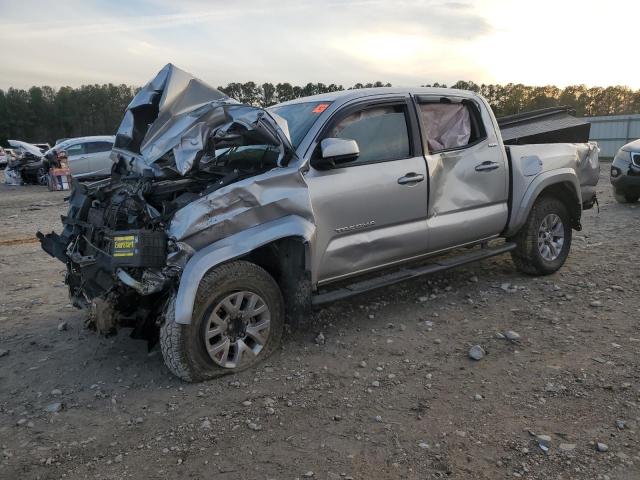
(124, 246)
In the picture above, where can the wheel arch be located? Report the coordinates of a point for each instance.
(562, 184)
(566, 193)
(282, 247)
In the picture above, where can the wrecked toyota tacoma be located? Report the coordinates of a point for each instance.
(221, 222)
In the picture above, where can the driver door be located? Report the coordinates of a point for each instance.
(370, 212)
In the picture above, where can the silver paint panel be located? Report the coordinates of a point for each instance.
(576, 165)
(367, 193)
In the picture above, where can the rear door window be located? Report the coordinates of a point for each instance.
(97, 147)
(381, 133)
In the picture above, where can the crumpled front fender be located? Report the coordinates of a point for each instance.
(230, 248)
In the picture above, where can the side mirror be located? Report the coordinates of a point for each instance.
(336, 151)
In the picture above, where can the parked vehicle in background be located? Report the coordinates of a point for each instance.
(625, 173)
(9, 154)
(221, 220)
(4, 156)
(27, 165)
(88, 157)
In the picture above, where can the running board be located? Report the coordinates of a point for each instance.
(409, 273)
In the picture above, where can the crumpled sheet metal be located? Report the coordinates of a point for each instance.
(578, 161)
(451, 188)
(244, 204)
(12, 177)
(581, 157)
(26, 147)
(588, 164)
(183, 112)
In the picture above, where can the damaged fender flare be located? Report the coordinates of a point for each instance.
(231, 248)
(541, 182)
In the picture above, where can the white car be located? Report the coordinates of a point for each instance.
(88, 157)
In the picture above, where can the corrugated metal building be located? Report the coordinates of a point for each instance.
(612, 132)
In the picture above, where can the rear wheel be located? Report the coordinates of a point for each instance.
(42, 176)
(237, 321)
(543, 243)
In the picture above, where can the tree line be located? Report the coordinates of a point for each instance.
(44, 114)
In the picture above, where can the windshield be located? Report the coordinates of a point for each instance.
(300, 117)
(243, 160)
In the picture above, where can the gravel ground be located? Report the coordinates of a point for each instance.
(387, 391)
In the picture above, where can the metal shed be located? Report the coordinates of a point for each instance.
(613, 131)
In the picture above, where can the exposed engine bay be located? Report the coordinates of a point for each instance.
(179, 142)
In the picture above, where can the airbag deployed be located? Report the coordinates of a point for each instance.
(447, 125)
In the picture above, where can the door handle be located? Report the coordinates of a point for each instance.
(487, 166)
(411, 177)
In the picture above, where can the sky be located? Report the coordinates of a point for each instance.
(405, 42)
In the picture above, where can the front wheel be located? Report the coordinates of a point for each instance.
(543, 243)
(237, 321)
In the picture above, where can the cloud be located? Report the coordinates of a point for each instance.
(406, 42)
(294, 41)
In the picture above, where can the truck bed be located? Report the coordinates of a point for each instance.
(530, 161)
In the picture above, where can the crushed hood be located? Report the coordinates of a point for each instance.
(176, 117)
(26, 147)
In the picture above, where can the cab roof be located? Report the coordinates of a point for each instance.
(343, 96)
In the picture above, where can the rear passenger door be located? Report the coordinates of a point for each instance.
(370, 212)
(78, 159)
(99, 161)
(468, 171)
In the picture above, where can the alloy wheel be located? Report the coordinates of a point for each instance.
(237, 329)
(550, 237)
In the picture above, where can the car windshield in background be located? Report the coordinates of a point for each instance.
(300, 117)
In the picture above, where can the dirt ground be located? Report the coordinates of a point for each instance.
(390, 393)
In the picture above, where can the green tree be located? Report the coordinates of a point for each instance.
(284, 92)
(268, 95)
(44, 114)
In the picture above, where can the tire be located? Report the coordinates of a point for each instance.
(42, 176)
(225, 293)
(539, 253)
(624, 197)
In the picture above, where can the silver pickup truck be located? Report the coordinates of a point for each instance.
(221, 221)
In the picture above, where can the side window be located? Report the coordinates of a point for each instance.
(381, 133)
(96, 147)
(77, 149)
(449, 125)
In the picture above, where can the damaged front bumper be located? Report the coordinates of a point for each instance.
(180, 142)
(112, 239)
